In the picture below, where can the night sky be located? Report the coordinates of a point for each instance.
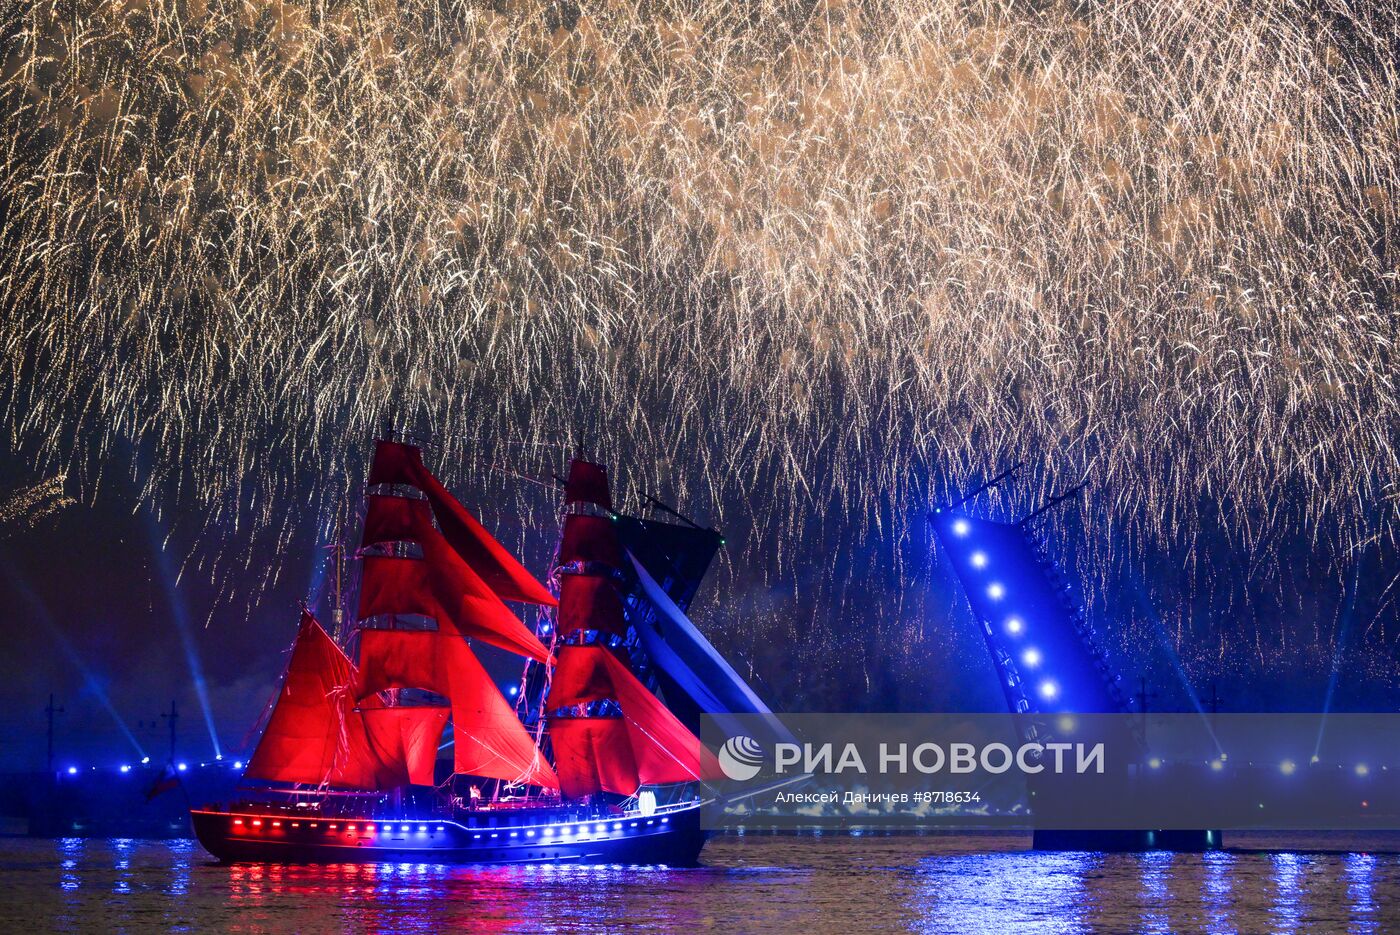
(804, 270)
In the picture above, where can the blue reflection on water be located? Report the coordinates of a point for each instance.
(1003, 892)
(1218, 891)
(1360, 870)
(1288, 890)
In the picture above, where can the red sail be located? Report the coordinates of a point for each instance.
(590, 602)
(391, 519)
(396, 463)
(587, 483)
(590, 539)
(408, 735)
(489, 738)
(441, 586)
(593, 754)
(663, 749)
(315, 735)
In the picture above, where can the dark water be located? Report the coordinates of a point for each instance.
(802, 885)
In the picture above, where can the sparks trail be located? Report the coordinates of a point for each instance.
(820, 262)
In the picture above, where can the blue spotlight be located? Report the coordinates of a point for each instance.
(237, 764)
(978, 559)
(1362, 769)
(182, 766)
(72, 771)
(1014, 626)
(1031, 657)
(1287, 767)
(1049, 690)
(125, 768)
(1217, 764)
(961, 527)
(1155, 762)
(145, 760)
(996, 591)
(512, 691)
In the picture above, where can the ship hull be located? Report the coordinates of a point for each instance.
(673, 838)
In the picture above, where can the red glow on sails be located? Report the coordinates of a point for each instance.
(593, 754)
(663, 749)
(408, 735)
(397, 463)
(587, 483)
(590, 602)
(489, 739)
(316, 735)
(442, 586)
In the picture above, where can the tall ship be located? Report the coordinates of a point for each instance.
(596, 758)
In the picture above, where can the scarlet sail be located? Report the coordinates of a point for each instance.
(438, 585)
(648, 744)
(489, 739)
(316, 735)
(663, 749)
(397, 463)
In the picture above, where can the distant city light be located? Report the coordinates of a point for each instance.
(995, 591)
(978, 559)
(1014, 626)
(1287, 767)
(1031, 657)
(961, 527)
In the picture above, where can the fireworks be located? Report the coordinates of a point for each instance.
(817, 263)
(25, 508)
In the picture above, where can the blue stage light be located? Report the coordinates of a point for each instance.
(1287, 767)
(1031, 657)
(961, 527)
(1362, 769)
(218, 756)
(72, 771)
(995, 591)
(237, 764)
(1049, 690)
(1217, 764)
(1155, 762)
(512, 691)
(125, 768)
(1014, 626)
(978, 559)
(182, 766)
(145, 760)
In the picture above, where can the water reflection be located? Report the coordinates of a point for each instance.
(812, 886)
